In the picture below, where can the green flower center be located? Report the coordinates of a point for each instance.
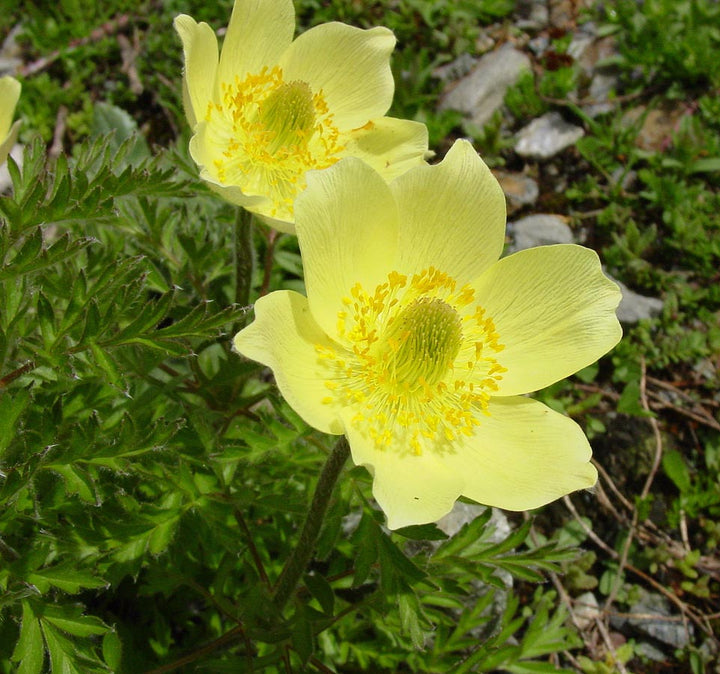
(288, 114)
(420, 344)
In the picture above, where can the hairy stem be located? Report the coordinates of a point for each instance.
(300, 556)
(244, 256)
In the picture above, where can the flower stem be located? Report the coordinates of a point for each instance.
(300, 556)
(244, 256)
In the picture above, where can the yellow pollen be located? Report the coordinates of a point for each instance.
(419, 355)
(267, 133)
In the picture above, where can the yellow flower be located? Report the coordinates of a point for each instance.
(269, 109)
(9, 95)
(418, 343)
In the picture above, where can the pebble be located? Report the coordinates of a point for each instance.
(547, 136)
(481, 92)
(538, 230)
(520, 189)
(635, 307)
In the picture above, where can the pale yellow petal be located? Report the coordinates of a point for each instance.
(391, 146)
(284, 337)
(7, 145)
(349, 65)
(410, 489)
(523, 456)
(258, 33)
(553, 309)
(9, 96)
(452, 215)
(205, 149)
(201, 62)
(346, 222)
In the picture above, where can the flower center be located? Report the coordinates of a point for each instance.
(419, 345)
(416, 362)
(267, 133)
(288, 116)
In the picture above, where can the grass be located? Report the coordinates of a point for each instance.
(145, 494)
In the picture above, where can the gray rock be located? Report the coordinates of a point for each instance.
(480, 93)
(651, 615)
(10, 53)
(586, 610)
(601, 91)
(534, 15)
(464, 513)
(456, 69)
(538, 230)
(520, 190)
(546, 136)
(635, 307)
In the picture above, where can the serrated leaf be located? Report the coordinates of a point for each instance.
(106, 363)
(71, 623)
(112, 650)
(61, 652)
(12, 405)
(66, 578)
(422, 532)
(93, 322)
(198, 322)
(150, 315)
(29, 250)
(46, 319)
(29, 650)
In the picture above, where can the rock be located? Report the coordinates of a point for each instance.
(651, 615)
(538, 230)
(480, 93)
(635, 307)
(520, 190)
(586, 610)
(10, 53)
(658, 125)
(464, 513)
(601, 93)
(456, 69)
(533, 15)
(546, 136)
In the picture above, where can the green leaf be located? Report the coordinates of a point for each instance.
(106, 363)
(675, 468)
(422, 532)
(302, 633)
(112, 650)
(71, 622)
(109, 119)
(29, 251)
(61, 652)
(30, 649)
(66, 578)
(704, 165)
(150, 315)
(321, 590)
(12, 405)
